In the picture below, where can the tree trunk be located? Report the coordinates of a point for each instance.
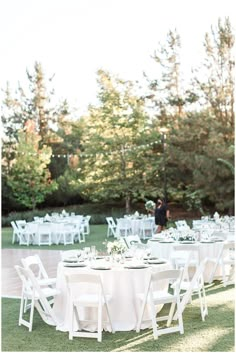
(127, 203)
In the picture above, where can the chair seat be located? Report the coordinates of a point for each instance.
(48, 292)
(159, 297)
(47, 281)
(90, 299)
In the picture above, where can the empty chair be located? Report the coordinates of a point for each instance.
(21, 224)
(147, 228)
(68, 233)
(132, 239)
(180, 255)
(225, 260)
(111, 230)
(31, 290)
(194, 285)
(153, 296)
(79, 234)
(124, 227)
(44, 234)
(86, 291)
(182, 225)
(20, 235)
(34, 263)
(86, 224)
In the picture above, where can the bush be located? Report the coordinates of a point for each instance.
(98, 213)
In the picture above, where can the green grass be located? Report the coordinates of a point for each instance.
(216, 334)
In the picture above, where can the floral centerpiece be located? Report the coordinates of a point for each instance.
(150, 206)
(115, 247)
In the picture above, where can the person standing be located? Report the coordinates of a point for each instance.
(162, 215)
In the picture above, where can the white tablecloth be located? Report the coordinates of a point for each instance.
(206, 250)
(123, 284)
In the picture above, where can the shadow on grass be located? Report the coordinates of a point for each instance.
(215, 334)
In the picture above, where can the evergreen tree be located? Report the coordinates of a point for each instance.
(119, 161)
(29, 177)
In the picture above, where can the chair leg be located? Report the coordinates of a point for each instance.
(180, 318)
(21, 309)
(31, 315)
(171, 313)
(201, 304)
(154, 320)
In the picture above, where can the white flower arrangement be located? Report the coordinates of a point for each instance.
(150, 205)
(115, 247)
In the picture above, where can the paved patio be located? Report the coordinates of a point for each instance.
(11, 283)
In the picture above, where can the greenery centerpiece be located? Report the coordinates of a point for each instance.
(115, 247)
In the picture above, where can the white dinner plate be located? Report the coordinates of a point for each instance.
(74, 264)
(100, 268)
(135, 266)
(156, 262)
(166, 241)
(71, 259)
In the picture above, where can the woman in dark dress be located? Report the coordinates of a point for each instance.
(162, 214)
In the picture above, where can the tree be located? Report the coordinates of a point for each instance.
(118, 159)
(29, 177)
(217, 81)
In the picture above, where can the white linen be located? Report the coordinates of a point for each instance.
(206, 250)
(122, 284)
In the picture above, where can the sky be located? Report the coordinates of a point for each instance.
(72, 39)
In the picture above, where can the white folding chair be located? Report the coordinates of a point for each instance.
(31, 290)
(81, 296)
(21, 224)
(182, 225)
(34, 263)
(131, 240)
(79, 231)
(152, 296)
(111, 230)
(225, 258)
(86, 225)
(180, 255)
(147, 228)
(68, 233)
(124, 227)
(20, 235)
(44, 234)
(192, 286)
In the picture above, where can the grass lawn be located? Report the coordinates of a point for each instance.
(216, 334)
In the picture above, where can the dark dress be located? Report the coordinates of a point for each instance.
(160, 215)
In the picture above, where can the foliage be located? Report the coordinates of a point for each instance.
(116, 160)
(29, 177)
(117, 151)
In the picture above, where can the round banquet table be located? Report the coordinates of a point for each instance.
(122, 284)
(208, 250)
